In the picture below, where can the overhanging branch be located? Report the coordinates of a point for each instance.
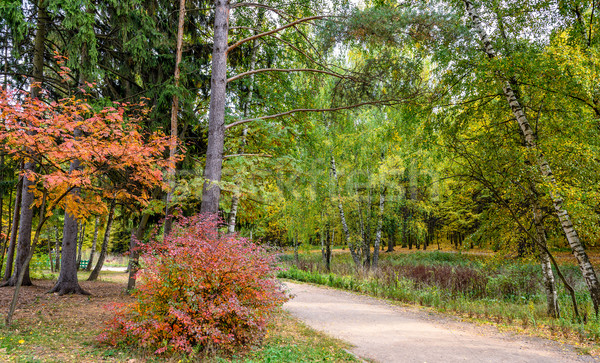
(262, 70)
(299, 21)
(383, 102)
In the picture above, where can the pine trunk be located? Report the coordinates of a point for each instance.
(216, 114)
(94, 275)
(563, 215)
(174, 112)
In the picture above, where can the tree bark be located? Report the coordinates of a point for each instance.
(94, 241)
(67, 282)
(174, 111)
(216, 113)
(530, 139)
(10, 254)
(94, 275)
(549, 282)
(351, 246)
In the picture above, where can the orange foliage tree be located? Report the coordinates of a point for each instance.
(117, 161)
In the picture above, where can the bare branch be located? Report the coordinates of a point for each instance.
(279, 12)
(299, 21)
(263, 70)
(236, 155)
(381, 102)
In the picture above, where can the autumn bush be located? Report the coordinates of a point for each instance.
(198, 291)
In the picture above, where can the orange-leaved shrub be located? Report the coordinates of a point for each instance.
(198, 290)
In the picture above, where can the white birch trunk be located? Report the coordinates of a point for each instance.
(350, 244)
(565, 220)
(549, 282)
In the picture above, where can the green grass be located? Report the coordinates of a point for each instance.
(291, 341)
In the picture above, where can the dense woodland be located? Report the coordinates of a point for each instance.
(372, 125)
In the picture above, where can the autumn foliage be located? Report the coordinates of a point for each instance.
(198, 290)
(117, 159)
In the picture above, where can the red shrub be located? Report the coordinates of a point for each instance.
(198, 289)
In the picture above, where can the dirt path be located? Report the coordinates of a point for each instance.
(386, 333)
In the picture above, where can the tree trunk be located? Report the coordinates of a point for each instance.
(67, 282)
(10, 254)
(351, 246)
(216, 114)
(322, 240)
(134, 252)
(5, 239)
(379, 230)
(94, 241)
(530, 139)
(296, 257)
(366, 246)
(57, 253)
(24, 240)
(80, 244)
(174, 111)
(19, 280)
(24, 236)
(391, 241)
(549, 283)
(94, 275)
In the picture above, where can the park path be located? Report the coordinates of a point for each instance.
(382, 332)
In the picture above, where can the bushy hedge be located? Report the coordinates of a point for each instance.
(198, 290)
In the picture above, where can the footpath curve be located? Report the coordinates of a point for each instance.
(382, 332)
